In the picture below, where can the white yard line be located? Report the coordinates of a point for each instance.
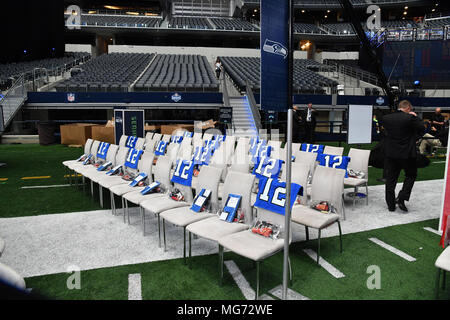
(134, 287)
(439, 233)
(324, 264)
(240, 280)
(49, 186)
(291, 294)
(392, 249)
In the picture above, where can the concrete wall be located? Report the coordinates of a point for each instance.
(348, 55)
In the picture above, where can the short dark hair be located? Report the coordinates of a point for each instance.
(404, 104)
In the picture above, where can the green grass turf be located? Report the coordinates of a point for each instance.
(35, 160)
(173, 280)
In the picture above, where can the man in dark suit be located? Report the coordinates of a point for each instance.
(309, 122)
(402, 130)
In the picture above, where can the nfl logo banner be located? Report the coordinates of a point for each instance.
(71, 97)
(445, 211)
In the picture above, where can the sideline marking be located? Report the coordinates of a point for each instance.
(39, 177)
(3, 179)
(396, 251)
(72, 175)
(439, 233)
(50, 186)
(134, 287)
(240, 280)
(291, 294)
(324, 264)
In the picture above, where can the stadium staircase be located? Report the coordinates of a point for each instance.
(12, 102)
(244, 122)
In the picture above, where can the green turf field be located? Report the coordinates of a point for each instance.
(33, 160)
(172, 279)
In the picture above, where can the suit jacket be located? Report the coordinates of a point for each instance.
(304, 115)
(296, 121)
(402, 131)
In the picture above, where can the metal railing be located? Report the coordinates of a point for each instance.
(13, 100)
(253, 108)
(355, 73)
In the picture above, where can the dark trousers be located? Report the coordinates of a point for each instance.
(392, 171)
(309, 132)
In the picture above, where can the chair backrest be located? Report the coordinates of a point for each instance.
(94, 148)
(197, 135)
(240, 184)
(300, 172)
(336, 151)
(307, 158)
(140, 144)
(359, 160)
(328, 185)
(121, 155)
(276, 148)
(209, 178)
(172, 151)
(123, 140)
(146, 164)
(166, 137)
(295, 146)
(197, 141)
(112, 152)
(150, 145)
(88, 145)
(149, 136)
(207, 136)
(162, 170)
(157, 137)
(185, 149)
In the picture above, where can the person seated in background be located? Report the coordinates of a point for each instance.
(438, 121)
(430, 138)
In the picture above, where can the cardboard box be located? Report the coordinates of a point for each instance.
(170, 128)
(76, 133)
(206, 124)
(103, 133)
(152, 127)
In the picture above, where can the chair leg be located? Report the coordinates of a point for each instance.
(184, 245)
(367, 194)
(290, 271)
(307, 233)
(438, 278)
(164, 234)
(190, 250)
(343, 207)
(123, 210)
(340, 234)
(354, 196)
(257, 281)
(159, 231)
(126, 209)
(318, 247)
(84, 185)
(92, 188)
(100, 189)
(143, 220)
(220, 265)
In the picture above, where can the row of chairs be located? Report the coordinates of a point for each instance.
(225, 166)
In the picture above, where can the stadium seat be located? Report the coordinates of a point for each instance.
(442, 263)
(11, 277)
(337, 151)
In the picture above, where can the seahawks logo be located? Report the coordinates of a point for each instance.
(275, 48)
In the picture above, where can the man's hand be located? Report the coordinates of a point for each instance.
(413, 113)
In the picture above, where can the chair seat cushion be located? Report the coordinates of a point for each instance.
(354, 182)
(96, 176)
(251, 245)
(136, 197)
(121, 189)
(184, 216)
(443, 261)
(160, 204)
(77, 165)
(70, 162)
(214, 228)
(312, 218)
(108, 181)
(11, 277)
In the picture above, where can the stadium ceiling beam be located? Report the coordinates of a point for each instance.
(366, 46)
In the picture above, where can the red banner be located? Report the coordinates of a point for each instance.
(444, 221)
